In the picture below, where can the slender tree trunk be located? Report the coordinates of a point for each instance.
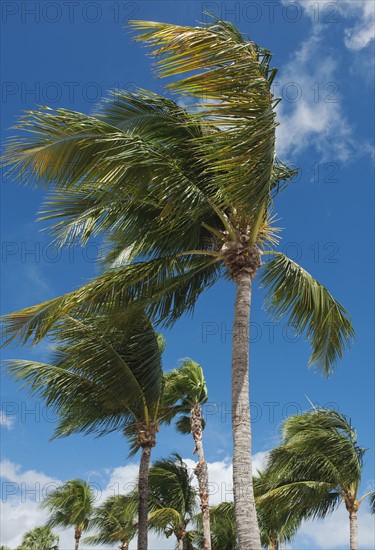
(274, 545)
(180, 544)
(353, 530)
(124, 545)
(246, 518)
(201, 471)
(143, 498)
(77, 536)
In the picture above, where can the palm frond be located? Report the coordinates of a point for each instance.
(234, 76)
(295, 294)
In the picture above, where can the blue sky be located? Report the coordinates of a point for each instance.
(68, 54)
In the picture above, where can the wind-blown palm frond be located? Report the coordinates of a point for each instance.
(171, 496)
(39, 538)
(233, 74)
(294, 293)
(71, 505)
(317, 465)
(114, 521)
(167, 287)
(104, 375)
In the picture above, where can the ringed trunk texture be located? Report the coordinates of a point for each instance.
(77, 536)
(246, 517)
(353, 530)
(143, 498)
(201, 471)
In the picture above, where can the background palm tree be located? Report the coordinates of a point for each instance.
(40, 538)
(317, 466)
(172, 499)
(223, 528)
(184, 393)
(278, 520)
(105, 375)
(184, 198)
(115, 521)
(71, 505)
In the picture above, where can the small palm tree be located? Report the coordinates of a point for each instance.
(172, 499)
(40, 538)
(185, 198)
(184, 393)
(115, 521)
(105, 375)
(317, 466)
(71, 505)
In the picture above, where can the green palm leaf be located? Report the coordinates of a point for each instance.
(308, 306)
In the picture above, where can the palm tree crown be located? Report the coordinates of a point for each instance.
(71, 505)
(115, 521)
(317, 466)
(39, 538)
(172, 498)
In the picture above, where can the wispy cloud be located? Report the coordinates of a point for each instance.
(312, 113)
(6, 421)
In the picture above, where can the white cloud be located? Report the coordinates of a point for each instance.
(358, 16)
(21, 510)
(333, 532)
(311, 113)
(6, 421)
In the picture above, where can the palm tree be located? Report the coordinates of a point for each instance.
(278, 521)
(184, 198)
(40, 538)
(185, 392)
(172, 499)
(105, 375)
(223, 528)
(372, 502)
(71, 505)
(317, 466)
(115, 521)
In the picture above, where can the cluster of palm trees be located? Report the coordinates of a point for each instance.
(316, 467)
(183, 198)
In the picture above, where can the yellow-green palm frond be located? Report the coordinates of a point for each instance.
(308, 306)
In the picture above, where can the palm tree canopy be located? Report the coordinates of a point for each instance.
(71, 504)
(185, 388)
(39, 538)
(318, 464)
(173, 500)
(178, 194)
(278, 521)
(105, 374)
(115, 520)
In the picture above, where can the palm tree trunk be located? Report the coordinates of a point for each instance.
(201, 471)
(246, 518)
(124, 545)
(77, 536)
(353, 530)
(143, 498)
(180, 544)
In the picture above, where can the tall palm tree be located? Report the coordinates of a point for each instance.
(105, 375)
(71, 505)
(115, 521)
(317, 466)
(172, 499)
(184, 198)
(184, 393)
(40, 538)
